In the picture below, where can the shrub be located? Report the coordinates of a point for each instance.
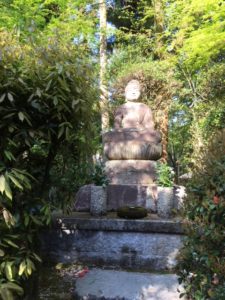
(202, 260)
(165, 175)
(47, 96)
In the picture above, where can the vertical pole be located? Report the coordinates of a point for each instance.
(103, 62)
(159, 25)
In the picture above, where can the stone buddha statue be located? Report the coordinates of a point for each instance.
(134, 136)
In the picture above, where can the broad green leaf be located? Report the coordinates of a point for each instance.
(8, 190)
(38, 92)
(2, 253)
(36, 220)
(15, 181)
(10, 97)
(8, 271)
(9, 155)
(5, 293)
(64, 84)
(11, 243)
(9, 115)
(27, 119)
(9, 219)
(37, 257)
(61, 131)
(48, 85)
(21, 116)
(30, 266)
(22, 267)
(13, 286)
(21, 80)
(67, 133)
(2, 183)
(75, 102)
(2, 98)
(55, 100)
(26, 220)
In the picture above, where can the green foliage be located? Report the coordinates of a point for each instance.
(67, 18)
(47, 92)
(132, 16)
(165, 175)
(47, 108)
(98, 176)
(179, 143)
(195, 31)
(202, 260)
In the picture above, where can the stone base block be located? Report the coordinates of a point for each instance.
(98, 201)
(156, 199)
(134, 244)
(83, 198)
(131, 195)
(131, 171)
(165, 202)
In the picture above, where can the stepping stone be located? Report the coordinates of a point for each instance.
(101, 284)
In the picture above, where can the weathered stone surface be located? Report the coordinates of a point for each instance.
(122, 249)
(137, 244)
(151, 224)
(131, 195)
(83, 198)
(165, 201)
(131, 171)
(116, 136)
(133, 115)
(98, 201)
(155, 199)
(139, 150)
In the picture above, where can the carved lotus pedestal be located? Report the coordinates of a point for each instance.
(132, 144)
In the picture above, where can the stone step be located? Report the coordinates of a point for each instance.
(148, 244)
(110, 222)
(101, 284)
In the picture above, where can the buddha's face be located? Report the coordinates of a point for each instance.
(133, 90)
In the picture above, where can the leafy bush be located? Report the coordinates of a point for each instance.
(202, 260)
(47, 96)
(165, 175)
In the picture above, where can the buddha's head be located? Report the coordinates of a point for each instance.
(133, 90)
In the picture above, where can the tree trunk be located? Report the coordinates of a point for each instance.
(159, 26)
(163, 126)
(164, 111)
(103, 62)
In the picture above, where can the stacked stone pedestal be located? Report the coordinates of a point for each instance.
(140, 172)
(131, 167)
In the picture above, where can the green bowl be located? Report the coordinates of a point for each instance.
(132, 212)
